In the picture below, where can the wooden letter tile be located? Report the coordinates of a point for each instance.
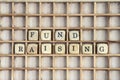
(46, 48)
(60, 35)
(46, 35)
(73, 35)
(102, 48)
(74, 48)
(32, 48)
(33, 35)
(60, 48)
(19, 48)
(87, 48)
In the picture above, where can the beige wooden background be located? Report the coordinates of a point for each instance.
(97, 22)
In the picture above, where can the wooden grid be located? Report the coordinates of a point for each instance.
(62, 72)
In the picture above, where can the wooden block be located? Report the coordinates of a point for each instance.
(32, 48)
(19, 48)
(87, 48)
(74, 48)
(46, 48)
(33, 35)
(74, 35)
(102, 48)
(60, 35)
(60, 48)
(46, 35)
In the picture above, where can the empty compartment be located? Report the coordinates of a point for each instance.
(60, 8)
(114, 62)
(19, 35)
(6, 62)
(6, 22)
(33, 62)
(115, 8)
(74, 8)
(20, 8)
(47, 8)
(6, 35)
(87, 62)
(33, 8)
(33, 22)
(115, 21)
(47, 22)
(19, 62)
(74, 21)
(102, 8)
(5, 75)
(101, 75)
(46, 62)
(102, 21)
(87, 75)
(19, 75)
(60, 22)
(74, 75)
(114, 35)
(88, 22)
(102, 62)
(19, 22)
(102, 33)
(115, 75)
(87, 35)
(60, 62)
(114, 48)
(6, 7)
(5, 48)
(47, 75)
(74, 62)
(33, 75)
(60, 75)
(88, 8)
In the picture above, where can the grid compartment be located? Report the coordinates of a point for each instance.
(46, 62)
(19, 62)
(19, 75)
(6, 8)
(19, 22)
(33, 62)
(5, 48)
(6, 21)
(60, 75)
(47, 73)
(20, 8)
(47, 22)
(6, 62)
(101, 75)
(74, 74)
(5, 35)
(7, 74)
(87, 73)
(102, 62)
(33, 75)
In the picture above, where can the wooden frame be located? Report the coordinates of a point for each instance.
(67, 27)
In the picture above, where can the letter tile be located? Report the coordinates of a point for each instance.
(33, 35)
(19, 48)
(32, 49)
(60, 48)
(46, 48)
(87, 48)
(74, 35)
(74, 48)
(60, 35)
(46, 35)
(102, 48)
